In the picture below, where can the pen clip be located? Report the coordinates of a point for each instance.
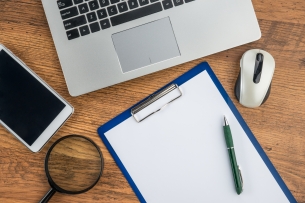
(241, 178)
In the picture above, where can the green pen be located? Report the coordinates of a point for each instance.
(235, 168)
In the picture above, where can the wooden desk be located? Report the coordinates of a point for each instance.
(279, 125)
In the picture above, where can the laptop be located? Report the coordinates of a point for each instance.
(104, 42)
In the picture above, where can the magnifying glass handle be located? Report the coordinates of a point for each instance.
(48, 196)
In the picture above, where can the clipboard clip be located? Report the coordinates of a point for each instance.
(153, 98)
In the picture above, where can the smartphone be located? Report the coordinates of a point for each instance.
(29, 108)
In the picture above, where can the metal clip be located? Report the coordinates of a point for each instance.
(154, 98)
(241, 178)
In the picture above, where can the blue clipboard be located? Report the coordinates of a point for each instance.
(179, 81)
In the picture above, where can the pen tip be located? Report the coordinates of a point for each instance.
(226, 122)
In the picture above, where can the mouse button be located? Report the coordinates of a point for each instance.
(268, 59)
(267, 71)
(247, 69)
(248, 60)
(243, 57)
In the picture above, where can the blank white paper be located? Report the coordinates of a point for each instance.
(179, 154)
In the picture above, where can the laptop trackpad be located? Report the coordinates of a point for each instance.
(146, 44)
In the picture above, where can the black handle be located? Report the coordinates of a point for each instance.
(48, 196)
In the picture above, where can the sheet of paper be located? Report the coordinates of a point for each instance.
(179, 154)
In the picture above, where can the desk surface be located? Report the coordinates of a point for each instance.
(278, 124)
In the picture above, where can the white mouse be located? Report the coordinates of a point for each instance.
(253, 84)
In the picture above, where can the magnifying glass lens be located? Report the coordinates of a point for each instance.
(74, 164)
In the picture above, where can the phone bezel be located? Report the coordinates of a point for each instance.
(54, 126)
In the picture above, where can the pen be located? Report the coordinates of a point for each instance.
(235, 168)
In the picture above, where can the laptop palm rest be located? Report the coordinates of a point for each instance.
(146, 44)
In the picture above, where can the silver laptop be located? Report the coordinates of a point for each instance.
(104, 42)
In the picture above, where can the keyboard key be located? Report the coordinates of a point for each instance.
(95, 27)
(84, 30)
(133, 4)
(104, 3)
(187, 1)
(143, 2)
(112, 10)
(72, 34)
(68, 13)
(114, 1)
(64, 3)
(105, 24)
(83, 8)
(75, 22)
(122, 7)
(78, 1)
(178, 2)
(152, 1)
(93, 5)
(102, 13)
(91, 17)
(135, 14)
(167, 4)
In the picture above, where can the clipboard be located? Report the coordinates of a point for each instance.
(189, 161)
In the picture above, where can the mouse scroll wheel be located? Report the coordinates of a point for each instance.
(258, 68)
(260, 57)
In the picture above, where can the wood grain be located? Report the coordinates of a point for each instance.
(74, 164)
(278, 124)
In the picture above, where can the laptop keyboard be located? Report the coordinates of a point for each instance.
(82, 17)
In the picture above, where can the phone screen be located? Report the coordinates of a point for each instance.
(26, 106)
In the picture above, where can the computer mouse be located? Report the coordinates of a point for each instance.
(253, 84)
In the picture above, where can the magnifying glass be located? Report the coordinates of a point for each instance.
(73, 165)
